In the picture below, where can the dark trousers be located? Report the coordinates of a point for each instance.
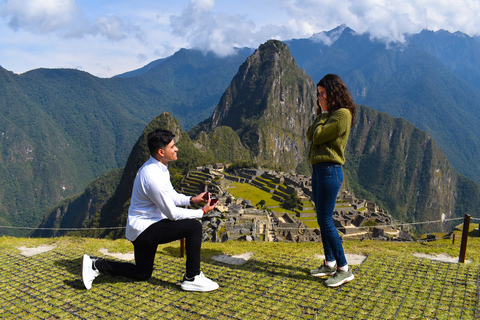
(145, 247)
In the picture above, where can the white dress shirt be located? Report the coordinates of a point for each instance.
(154, 199)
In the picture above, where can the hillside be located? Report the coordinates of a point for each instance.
(270, 280)
(269, 104)
(62, 128)
(389, 160)
(431, 80)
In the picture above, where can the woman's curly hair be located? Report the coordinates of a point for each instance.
(338, 95)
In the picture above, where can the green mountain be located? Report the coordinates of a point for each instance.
(400, 167)
(389, 160)
(431, 80)
(269, 104)
(62, 128)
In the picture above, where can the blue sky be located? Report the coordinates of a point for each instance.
(106, 37)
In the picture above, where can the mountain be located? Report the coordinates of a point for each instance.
(62, 128)
(389, 160)
(269, 104)
(457, 51)
(431, 80)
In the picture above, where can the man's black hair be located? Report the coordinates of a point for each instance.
(159, 139)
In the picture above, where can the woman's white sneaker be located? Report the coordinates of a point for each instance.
(199, 283)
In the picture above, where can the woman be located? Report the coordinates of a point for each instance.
(328, 135)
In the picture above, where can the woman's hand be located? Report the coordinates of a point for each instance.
(321, 99)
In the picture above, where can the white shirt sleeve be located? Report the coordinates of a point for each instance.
(154, 199)
(167, 200)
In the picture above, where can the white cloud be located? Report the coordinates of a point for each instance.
(383, 19)
(206, 29)
(39, 16)
(64, 17)
(108, 37)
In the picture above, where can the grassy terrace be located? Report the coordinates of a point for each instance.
(391, 283)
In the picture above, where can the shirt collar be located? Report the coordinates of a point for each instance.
(159, 164)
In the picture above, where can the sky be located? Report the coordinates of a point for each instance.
(110, 37)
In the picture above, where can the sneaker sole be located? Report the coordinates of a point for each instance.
(84, 271)
(186, 288)
(322, 274)
(340, 283)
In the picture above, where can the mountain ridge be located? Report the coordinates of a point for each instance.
(76, 126)
(389, 160)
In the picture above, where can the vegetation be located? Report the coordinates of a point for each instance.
(241, 165)
(292, 201)
(63, 128)
(274, 283)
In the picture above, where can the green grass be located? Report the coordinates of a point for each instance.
(254, 194)
(274, 284)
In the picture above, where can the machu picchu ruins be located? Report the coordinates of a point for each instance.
(239, 219)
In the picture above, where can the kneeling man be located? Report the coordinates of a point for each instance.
(155, 216)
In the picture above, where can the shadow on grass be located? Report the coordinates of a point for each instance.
(78, 283)
(290, 268)
(283, 267)
(74, 266)
(175, 252)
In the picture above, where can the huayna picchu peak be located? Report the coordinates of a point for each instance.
(269, 104)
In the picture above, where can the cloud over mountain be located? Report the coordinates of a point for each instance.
(110, 35)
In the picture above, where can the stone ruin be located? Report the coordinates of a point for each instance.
(238, 219)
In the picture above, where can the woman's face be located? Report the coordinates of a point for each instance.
(322, 98)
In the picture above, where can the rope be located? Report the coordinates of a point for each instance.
(284, 228)
(383, 225)
(66, 229)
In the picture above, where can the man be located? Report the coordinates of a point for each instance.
(155, 217)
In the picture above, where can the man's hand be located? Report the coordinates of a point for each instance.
(198, 199)
(211, 204)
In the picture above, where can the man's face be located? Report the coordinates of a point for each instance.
(169, 153)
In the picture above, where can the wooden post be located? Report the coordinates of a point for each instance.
(463, 245)
(182, 247)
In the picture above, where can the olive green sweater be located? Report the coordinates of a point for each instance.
(329, 135)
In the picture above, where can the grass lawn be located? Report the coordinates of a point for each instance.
(391, 283)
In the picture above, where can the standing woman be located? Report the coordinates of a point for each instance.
(328, 135)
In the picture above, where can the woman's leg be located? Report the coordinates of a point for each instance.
(326, 182)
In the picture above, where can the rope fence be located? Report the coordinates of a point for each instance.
(63, 229)
(281, 228)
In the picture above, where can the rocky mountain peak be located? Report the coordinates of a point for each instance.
(269, 104)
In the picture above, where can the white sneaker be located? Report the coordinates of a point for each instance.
(199, 283)
(88, 273)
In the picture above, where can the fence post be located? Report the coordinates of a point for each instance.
(463, 245)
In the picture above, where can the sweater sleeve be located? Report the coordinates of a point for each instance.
(319, 120)
(335, 126)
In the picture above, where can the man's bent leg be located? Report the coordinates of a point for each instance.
(166, 231)
(141, 270)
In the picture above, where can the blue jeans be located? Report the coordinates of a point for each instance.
(327, 178)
